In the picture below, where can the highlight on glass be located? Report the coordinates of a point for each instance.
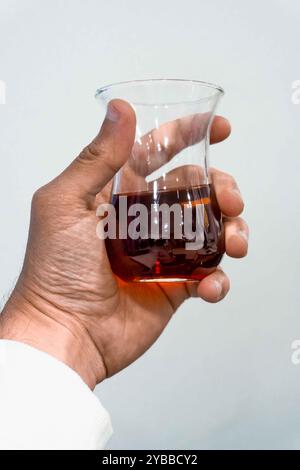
(163, 223)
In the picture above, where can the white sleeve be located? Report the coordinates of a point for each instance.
(44, 404)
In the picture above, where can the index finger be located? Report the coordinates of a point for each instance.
(161, 144)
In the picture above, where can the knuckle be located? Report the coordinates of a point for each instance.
(227, 180)
(100, 152)
(220, 274)
(222, 178)
(92, 152)
(238, 220)
(47, 196)
(225, 281)
(39, 194)
(40, 197)
(242, 224)
(236, 223)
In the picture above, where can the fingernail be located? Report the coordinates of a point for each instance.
(112, 113)
(243, 235)
(218, 288)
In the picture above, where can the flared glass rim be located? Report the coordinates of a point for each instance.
(218, 90)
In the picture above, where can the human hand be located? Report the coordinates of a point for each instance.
(67, 302)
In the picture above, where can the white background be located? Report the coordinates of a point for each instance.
(221, 375)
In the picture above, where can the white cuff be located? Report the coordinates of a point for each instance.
(44, 404)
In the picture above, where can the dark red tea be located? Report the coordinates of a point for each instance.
(159, 258)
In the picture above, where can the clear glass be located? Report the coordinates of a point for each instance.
(167, 169)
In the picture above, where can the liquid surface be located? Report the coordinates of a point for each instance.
(164, 259)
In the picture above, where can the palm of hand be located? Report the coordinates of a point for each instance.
(122, 319)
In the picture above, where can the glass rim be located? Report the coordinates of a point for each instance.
(218, 89)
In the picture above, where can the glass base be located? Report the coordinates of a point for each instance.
(170, 280)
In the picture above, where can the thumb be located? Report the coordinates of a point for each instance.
(104, 156)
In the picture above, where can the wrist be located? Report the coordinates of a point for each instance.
(54, 332)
